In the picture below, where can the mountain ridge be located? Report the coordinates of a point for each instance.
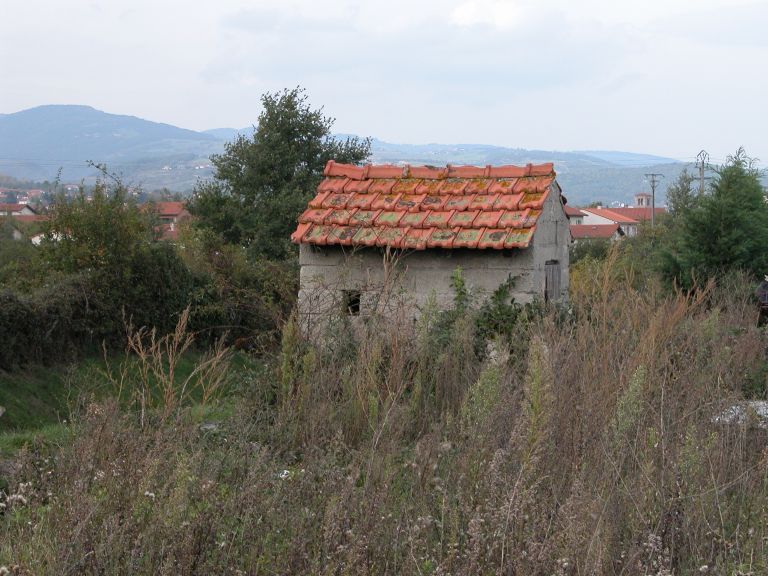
(37, 142)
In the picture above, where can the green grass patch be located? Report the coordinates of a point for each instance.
(34, 397)
(40, 396)
(49, 435)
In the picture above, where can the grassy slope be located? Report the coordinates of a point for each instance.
(38, 399)
(33, 397)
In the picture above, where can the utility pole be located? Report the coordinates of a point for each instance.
(702, 159)
(653, 195)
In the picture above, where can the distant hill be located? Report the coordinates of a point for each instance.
(584, 176)
(228, 134)
(36, 143)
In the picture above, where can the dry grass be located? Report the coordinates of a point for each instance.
(593, 451)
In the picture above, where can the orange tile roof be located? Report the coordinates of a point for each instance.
(29, 217)
(593, 231)
(611, 214)
(638, 213)
(169, 208)
(572, 211)
(15, 207)
(418, 207)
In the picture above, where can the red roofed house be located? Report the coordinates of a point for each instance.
(16, 210)
(628, 218)
(170, 214)
(492, 222)
(596, 232)
(575, 216)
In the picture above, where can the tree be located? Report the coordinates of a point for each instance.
(726, 229)
(681, 196)
(107, 240)
(263, 182)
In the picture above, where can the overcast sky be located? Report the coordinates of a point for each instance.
(668, 77)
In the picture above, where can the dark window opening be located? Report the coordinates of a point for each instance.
(352, 302)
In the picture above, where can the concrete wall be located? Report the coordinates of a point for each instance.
(391, 282)
(551, 242)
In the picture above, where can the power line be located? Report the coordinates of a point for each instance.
(702, 160)
(653, 177)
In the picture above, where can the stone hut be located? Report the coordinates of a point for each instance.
(384, 238)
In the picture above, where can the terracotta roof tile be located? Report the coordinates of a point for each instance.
(385, 201)
(388, 218)
(464, 218)
(362, 201)
(439, 219)
(414, 219)
(458, 202)
(533, 200)
(338, 217)
(337, 200)
(429, 187)
(490, 218)
(483, 202)
(356, 186)
(421, 207)
(382, 186)
(467, 237)
(514, 218)
(429, 172)
(390, 237)
(453, 186)
(435, 202)
(366, 236)
(363, 217)
(478, 186)
(508, 202)
(406, 185)
(441, 238)
(519, 238)
(503, 186)
(385, 171)
(333, 185)
(416, 238)
(493, 238)
(410, 202)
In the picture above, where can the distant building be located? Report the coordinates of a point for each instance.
(171, 215)
(575, 216)
(17, 209)
(643, 200)
(581, 232)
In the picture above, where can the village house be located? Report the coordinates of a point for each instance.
(403, 231)
(171, 215)
(575, 215)
(628, 218)
(581, 232)
(16, 209)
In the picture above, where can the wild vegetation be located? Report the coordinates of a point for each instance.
(606, 435)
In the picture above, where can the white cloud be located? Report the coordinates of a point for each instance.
(502, 14)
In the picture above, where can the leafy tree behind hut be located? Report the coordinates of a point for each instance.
(263, 182)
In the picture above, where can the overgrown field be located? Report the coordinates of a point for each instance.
(586, 441)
